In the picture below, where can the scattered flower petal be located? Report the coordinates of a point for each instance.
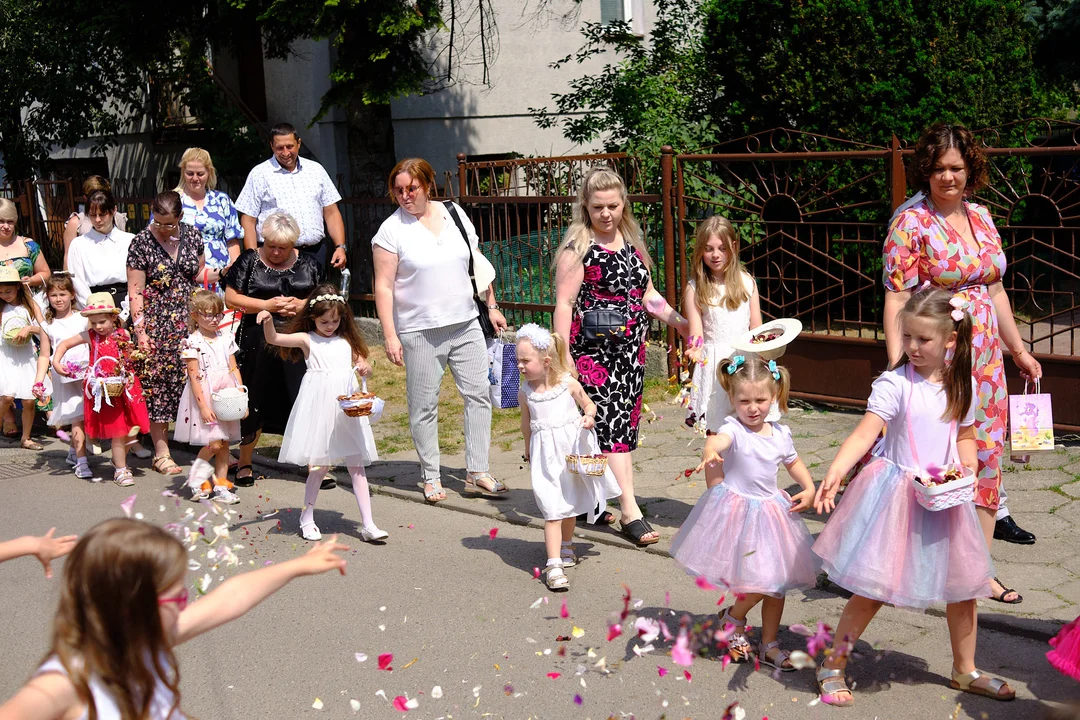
(127, 505)
(360, 657)
(614, 631)
(577, 632)
(680, 654)
(661, 671)
(554, 675)
(493, 532)
(355, 705)
(564, 612)
(317, 704)
(436, 692)
(578, 700)
(401, 703)
(384, 661)
(647, 629)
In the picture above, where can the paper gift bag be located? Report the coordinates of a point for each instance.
(503, 374)
(1031, 422)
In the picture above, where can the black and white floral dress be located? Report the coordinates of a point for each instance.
(612, 370)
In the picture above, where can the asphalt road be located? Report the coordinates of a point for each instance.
(457, 609)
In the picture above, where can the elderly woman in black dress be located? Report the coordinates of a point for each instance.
(603, 264)
(278, 279)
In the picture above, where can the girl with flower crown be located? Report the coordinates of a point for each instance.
(555, 431)
(319, 434)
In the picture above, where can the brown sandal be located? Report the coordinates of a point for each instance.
(165, 465)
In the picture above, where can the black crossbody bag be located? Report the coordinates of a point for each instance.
(481, 305)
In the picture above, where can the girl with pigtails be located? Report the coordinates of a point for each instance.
(882, 545)
(745, 533)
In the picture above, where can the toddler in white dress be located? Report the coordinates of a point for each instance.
(554, 429)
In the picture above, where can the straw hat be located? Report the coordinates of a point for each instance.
(9, 274)
(98, 303)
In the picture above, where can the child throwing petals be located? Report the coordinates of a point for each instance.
(554, 428)
(721, 303)
(123, 609)
(745, 534)
(62, 322)
(120, 417)
(319, 434)
(881, 544)
(210, 359)
(20, 363)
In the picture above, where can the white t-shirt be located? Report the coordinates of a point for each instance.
(432, 287)
(889, 401)
(95, 259)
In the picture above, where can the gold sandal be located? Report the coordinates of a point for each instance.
(965, 682)
(831, 682)
(165, 465)
(473, 485)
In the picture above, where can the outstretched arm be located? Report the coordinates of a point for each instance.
(657, 306)
(47, 548)
(710, 457)
(241, 593)
(860, 441)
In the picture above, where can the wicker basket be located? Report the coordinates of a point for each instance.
(588, 465)
(114, 384)
(230, 403)
(356, 405)
(11, 329)
(946, 495)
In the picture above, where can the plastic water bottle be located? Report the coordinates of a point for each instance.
(346, 277)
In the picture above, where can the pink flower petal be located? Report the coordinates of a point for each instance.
(704, 584)
(686, 674)
(564, 612)
(721, 600)
(493, 532)
(661, 671)
(614, 631)
(399, 703)
(554, 675)
(384, 661)
(536, 573)
(680, 654)
(127, 505)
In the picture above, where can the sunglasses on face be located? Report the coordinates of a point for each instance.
(163, 226)
(181, 600)
(411, 190)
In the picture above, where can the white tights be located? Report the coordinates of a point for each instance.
(360, 490)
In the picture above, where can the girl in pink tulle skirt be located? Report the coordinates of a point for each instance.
(881, 544)
(745, 534)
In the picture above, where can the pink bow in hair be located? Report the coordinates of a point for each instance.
(958, 305)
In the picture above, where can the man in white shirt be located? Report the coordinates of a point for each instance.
(301, 188)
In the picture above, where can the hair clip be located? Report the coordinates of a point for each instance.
(959, 305)
(923, 286)
(327, 298)
(538, 336)
(774, 370)
(736, 363)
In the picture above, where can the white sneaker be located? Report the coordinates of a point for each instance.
(83, 471)
(200, 492)
(72, 459)
(225, 496)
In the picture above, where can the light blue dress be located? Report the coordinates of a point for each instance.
(218, 222)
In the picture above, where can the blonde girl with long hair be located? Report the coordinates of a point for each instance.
(604, 296)
(720, 302)
(551, 401)
(124, 606)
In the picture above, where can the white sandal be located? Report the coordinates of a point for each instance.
(739, 647)
(782, 656)
(555, 578)
(310, 531)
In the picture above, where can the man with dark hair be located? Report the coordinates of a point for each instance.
(299, 187)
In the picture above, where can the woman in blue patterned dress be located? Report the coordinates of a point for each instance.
(211, 212)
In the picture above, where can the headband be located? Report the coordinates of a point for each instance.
(327, 298)
(538, 336)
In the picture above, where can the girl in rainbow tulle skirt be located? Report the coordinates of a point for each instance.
(881, 544)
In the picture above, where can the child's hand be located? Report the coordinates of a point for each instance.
(50, 548)
(525, 456)
(24, 334)
(209, 417)
(38, 391)
(59, 369)
(263, 316)
(693, 355)
(363, 368)
(709, 458)
(588, 422)
(802, 500)
(323, 558)
(826, 492)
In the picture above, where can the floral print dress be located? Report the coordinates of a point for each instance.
(923, 246)
(169, 285)
(612, 370)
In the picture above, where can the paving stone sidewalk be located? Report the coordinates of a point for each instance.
(1044, 497)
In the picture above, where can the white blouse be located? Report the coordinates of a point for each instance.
(432, 287)
(96, 259)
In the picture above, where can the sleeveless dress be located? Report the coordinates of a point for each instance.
(106, 706)
(555, 422)
(318, 432)
(110, 417)
(923, 246)
(740, 535)
(213, 356)
(18, 363)
(612, 370)
(880, 542)
(67, 392)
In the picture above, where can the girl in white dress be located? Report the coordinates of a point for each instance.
(721, 303)
(554, 428)
(319, 434)
(124, 608)
(20, 363)
(210, 359)
(62, 322)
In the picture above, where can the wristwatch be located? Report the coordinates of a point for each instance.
(493, 307)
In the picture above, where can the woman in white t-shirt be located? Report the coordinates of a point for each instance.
(424, 298)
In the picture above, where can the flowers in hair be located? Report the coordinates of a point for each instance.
(959, 305)
(326, 298)
(538, 336)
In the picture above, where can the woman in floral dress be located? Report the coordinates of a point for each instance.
(953, 244)
(603, 264)
(164, 261)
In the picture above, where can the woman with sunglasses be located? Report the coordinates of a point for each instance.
(124, 608)
(164, 264)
